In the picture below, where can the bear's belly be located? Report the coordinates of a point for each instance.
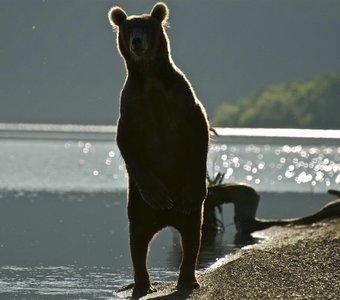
(165, 154)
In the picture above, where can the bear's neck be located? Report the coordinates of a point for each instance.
(150, 67)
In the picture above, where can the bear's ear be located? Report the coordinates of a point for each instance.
(161, 12)
(116, 16)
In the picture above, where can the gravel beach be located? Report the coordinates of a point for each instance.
(294, 262)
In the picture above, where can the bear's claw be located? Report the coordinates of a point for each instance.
(157, 197)
(138, 293)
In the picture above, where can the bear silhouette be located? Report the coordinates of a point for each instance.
(163, 137)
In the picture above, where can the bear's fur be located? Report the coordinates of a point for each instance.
(163, 138)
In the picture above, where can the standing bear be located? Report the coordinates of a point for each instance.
(163, 137)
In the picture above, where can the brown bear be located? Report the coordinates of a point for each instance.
(163, 137)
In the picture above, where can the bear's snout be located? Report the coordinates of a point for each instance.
(138, 44)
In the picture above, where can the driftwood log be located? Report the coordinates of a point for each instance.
(245, 200)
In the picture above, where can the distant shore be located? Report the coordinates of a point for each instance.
(295, 262)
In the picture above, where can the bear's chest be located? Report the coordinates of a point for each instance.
(156, 111)
(159, 123)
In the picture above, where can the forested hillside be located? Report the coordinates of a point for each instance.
(299, 104)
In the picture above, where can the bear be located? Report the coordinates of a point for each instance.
(163, 138)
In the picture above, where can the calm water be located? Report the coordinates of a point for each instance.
(63, 226)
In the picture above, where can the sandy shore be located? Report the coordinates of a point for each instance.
(295, 262)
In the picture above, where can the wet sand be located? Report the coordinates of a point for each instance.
(294, 262)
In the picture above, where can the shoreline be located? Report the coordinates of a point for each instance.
(294, 262)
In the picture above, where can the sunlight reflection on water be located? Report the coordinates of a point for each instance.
(86, 158)
(97, 165)
(278, 167)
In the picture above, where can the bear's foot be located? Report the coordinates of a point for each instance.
(139, 292)
(126, 287)
(188, 285)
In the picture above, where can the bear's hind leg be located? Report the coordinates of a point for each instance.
(191, 241)
(139, 244)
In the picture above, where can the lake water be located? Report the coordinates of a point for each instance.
(63, 225)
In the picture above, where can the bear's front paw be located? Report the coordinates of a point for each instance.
(192, 201)
(190, 206)
(157, 197)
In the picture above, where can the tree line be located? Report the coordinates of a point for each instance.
(313, 103)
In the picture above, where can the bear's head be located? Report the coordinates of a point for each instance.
(141, 38)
